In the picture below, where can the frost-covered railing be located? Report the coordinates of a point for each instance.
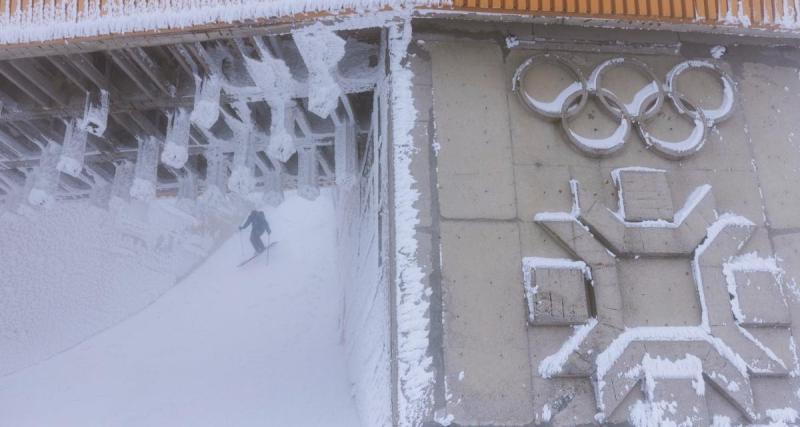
(765, 14)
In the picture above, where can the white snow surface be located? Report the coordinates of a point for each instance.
(257, 345)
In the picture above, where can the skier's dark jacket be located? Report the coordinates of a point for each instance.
(259, 223)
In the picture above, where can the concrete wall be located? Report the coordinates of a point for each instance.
(488, 165)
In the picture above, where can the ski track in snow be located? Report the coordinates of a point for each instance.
(257, 345)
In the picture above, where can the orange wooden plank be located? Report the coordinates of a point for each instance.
(484, 4)
(497, 4)
(619, 7)
(723, 8)
(641, 7)
(458, 3)
(572, 6)
(769, 7)
(677, 9)
(758, 12)
(666, 9)
(594, 7)
(630, 7)
(583, 6)
(559, 6)
(653, 9)
(711, 10)
(607, 7)
(547, 5)
(509, 4)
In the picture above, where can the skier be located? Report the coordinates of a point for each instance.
(259, 226)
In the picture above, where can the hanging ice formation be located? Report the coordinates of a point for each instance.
(176, 147)
(95, 115)
(215, 176)
(242, 180)
(100, 195)
(145, 175)
(121, 186)
(206, 100)
(345, 153)
(281, 133)
(73, 149)
(321, 50)
(307, 182)
(275, 80)
(273, 184)
(187, 191)
(45, 182)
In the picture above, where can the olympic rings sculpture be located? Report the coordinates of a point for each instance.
(638, 113)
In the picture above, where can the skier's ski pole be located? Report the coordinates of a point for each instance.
(269, 242)
(241, 243)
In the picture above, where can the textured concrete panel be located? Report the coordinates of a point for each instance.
(769, 96)
(647, 196)
(485, 324)
(760, 299)
(647, 283)
(560, 297)
(476, 177)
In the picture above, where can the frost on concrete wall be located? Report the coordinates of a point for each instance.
(681, 318)
(363, 261)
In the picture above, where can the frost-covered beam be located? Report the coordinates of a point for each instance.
(153, 71)
(68, 70)
(121, 58)
(42, 82)
(23, 84)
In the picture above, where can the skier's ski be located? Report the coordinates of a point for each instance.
(256, 255)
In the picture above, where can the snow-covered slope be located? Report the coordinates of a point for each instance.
(257, 345)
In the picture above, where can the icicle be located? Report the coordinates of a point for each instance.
(187, 191)
(242, 179)
(176, 150)
(206, 101)
(45, 184)
(346, 155)
(321, 50)
(273, 185)
(307, 182)
(95, 116)
(215, 177)
(73, 149)
(281, 139)
(101, 195)
(145, 175)
(121, 186)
